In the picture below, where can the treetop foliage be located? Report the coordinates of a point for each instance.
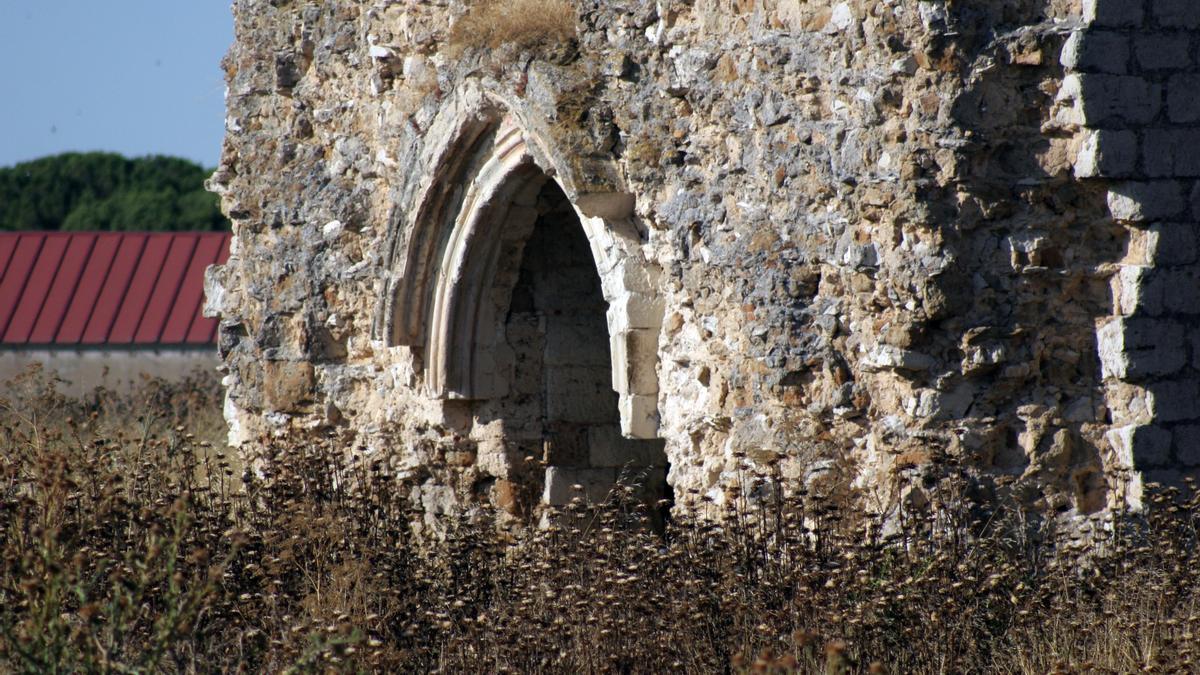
(106, 191)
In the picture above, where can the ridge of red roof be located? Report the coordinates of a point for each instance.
(107, 288)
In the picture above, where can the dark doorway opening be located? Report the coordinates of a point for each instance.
(561, 395)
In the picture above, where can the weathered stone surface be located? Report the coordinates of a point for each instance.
(1183, 98)
(1163, 51)
(775, 235)
(1098, 52)
(1171, 153)
(286, 385)
(1187, 444)
(1114, 101)
(1176, 400)
(1146, 200)
(1176, 13)
(1108, 153)
(1122, 13)
(1174, 244)
(1137, 348)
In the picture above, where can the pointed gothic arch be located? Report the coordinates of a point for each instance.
(453, 262)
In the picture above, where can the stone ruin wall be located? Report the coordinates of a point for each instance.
(870, 235)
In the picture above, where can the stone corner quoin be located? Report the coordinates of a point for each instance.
(821, 240)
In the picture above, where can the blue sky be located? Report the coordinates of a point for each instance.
(136, 77)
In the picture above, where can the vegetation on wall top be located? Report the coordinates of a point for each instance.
(106, 191)
(524, 23)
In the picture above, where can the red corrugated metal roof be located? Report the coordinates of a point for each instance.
(106, 288)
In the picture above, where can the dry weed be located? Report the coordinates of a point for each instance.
(124, 545)
(524, 23)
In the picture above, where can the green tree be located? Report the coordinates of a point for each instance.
(105, 191)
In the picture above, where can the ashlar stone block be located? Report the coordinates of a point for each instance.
(608, 448)
(634, 310)
(1187, 444)
(1116, 101)
(1137, 347)
(1138, 289)
(572, 395)
(1175, 400)
(1108, 153)
(1141, 201)
(1172, 244)
(1183, 98)
(1163, 51)
(1180, 290)
(594, 484)
(639, 416)
(577, 344)
(1174, 13)
(1171, 153)
(1141, 446)
(1113, 13)
(1096, 51)
(633, 362)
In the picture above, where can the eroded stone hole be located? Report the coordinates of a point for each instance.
(560, 403)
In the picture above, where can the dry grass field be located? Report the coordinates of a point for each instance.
(130, 543)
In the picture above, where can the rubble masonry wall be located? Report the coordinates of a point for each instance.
(847, 239)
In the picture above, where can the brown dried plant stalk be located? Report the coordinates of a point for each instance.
(127, 545)
(524, 23)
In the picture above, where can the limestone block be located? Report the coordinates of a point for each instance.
(1141, 446)
(574, 344)
(1164, 477)
(1133, 348)
(1096, 51)
(1107, 153)
(567, 444)
(626, 276)
(1171, 153)
(639, 416)
(605, 204)
(634, 362)
(526, 381)
(1117, 13)
(1175, 400)
(573, 394)
(1183, 98)
(561, 481)
(634, 310)
(1139, 201)
(1187, 444)
(287, 384)
(1114, 101)
(1172, 244)
(1176, 13)
(1181, 290)
(608, 448)
(1138, 289)
(1162, 51)
(492, 373)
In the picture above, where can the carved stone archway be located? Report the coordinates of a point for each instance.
(452, 261)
